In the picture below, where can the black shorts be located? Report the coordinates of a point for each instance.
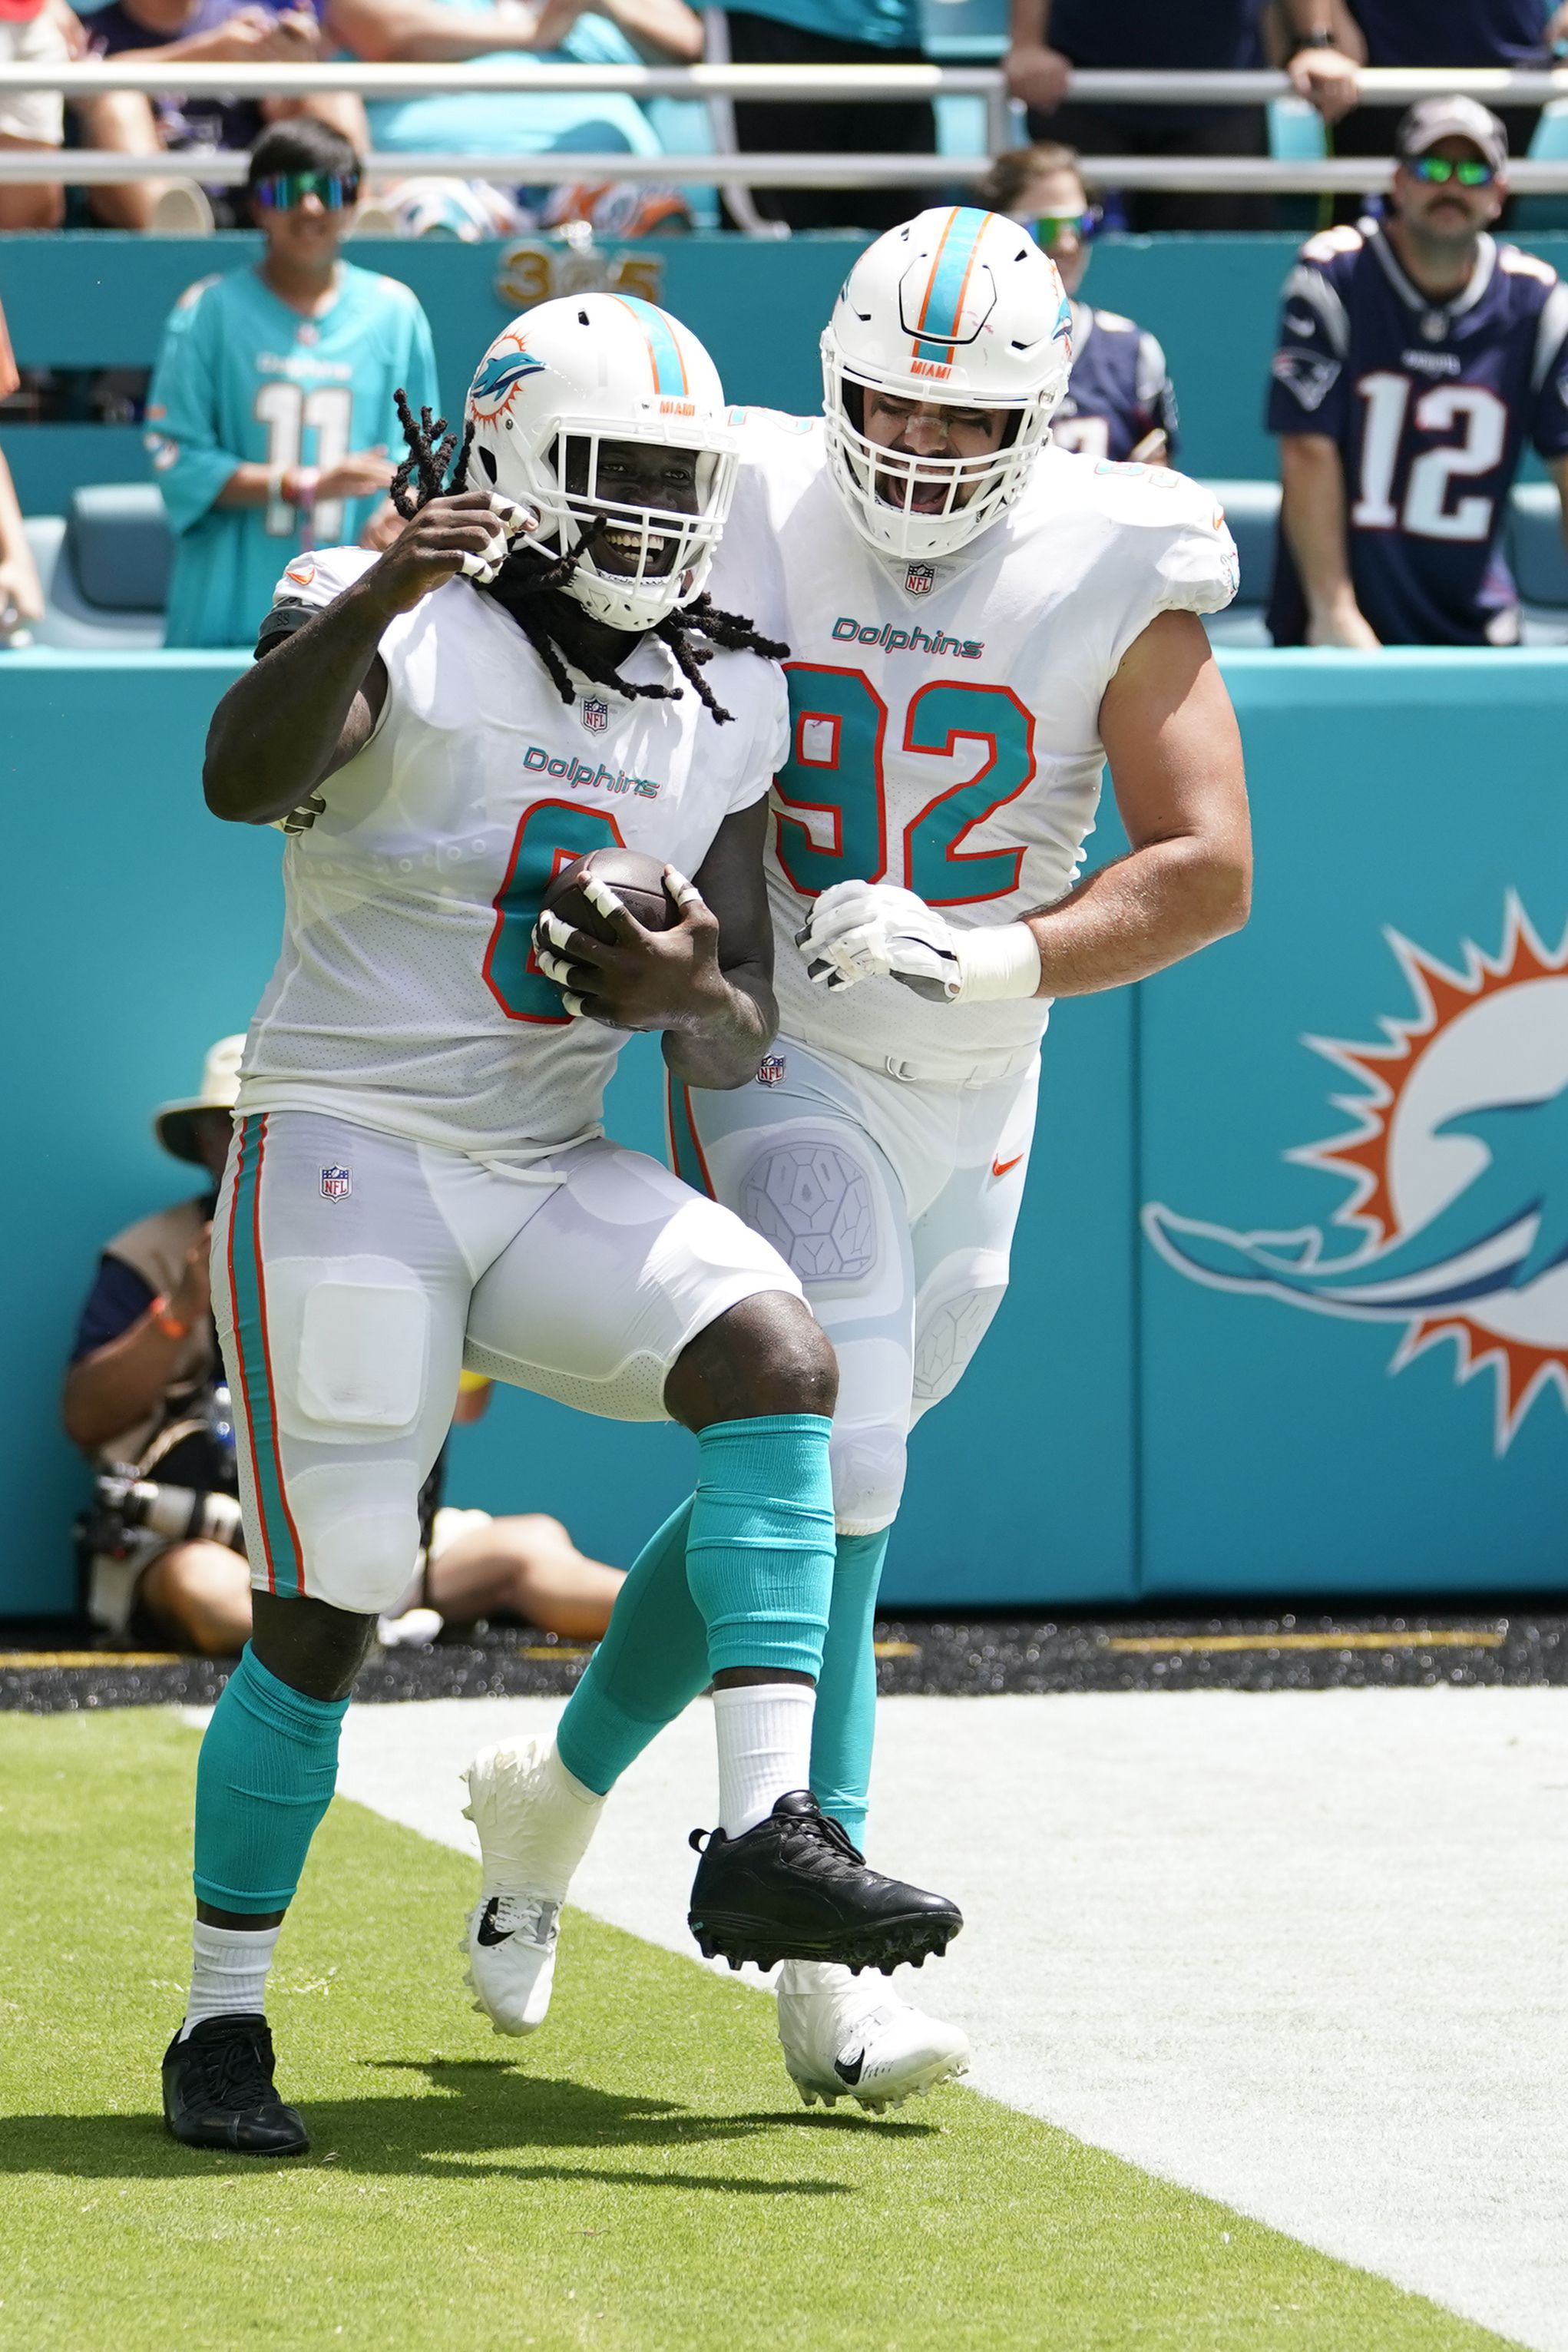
(848, 127)
(1156, 131)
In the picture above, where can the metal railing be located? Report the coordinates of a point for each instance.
(1383, 86)
(719, 84)
(1226, 174)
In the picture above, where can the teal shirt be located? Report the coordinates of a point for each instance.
(520, 123)
(243, 379)
(885, 24)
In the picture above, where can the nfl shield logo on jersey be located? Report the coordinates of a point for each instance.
(337, 1183)
(771, 1070)
(920, 579)
(595, 714)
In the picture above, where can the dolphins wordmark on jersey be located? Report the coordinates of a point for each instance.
(406, 996)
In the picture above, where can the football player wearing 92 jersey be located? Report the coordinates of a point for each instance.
(979, 622)
(420, 1181)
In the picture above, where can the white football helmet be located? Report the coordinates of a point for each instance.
(957, 305)
(562, 379)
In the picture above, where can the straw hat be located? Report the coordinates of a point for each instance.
(174, 1123)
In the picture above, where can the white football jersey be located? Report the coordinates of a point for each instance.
(944, 718)
(406, 996)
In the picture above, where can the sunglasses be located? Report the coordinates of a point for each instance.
(1049, 227)
(336, 191)
(1439, 170)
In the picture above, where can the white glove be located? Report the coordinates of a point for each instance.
(859, 930)
(511, 523)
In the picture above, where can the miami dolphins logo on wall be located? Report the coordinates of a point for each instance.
(1459, 1169)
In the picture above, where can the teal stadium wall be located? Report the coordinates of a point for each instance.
(1132, 1428)
(101, 301)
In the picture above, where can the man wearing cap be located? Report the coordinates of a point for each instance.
(143, 1367)
(1415, 357)
(144, 1391)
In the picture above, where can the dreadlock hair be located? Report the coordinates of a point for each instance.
(429, 472)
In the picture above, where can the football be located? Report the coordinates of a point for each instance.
(637, 880)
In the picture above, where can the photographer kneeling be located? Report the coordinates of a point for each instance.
(145, 1399)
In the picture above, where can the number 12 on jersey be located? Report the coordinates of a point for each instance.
(831, 796)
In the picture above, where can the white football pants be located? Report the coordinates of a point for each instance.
(894, 1202)
(355, 1273)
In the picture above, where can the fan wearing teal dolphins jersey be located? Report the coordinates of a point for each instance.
(980, 622)
(271, 409)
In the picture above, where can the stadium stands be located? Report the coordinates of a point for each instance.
(105, 565)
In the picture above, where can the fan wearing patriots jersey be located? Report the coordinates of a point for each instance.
(1417, 360)
(271, 410)
(979, 623)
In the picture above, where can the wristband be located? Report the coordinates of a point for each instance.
(996, 963)
(299, 487)
(170, 1325)
(1319, 39)
(274, 480)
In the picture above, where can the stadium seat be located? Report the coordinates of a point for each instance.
(1538, 561)
(104, 569)
(1252, 510)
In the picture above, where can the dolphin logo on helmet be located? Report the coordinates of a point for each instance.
(500, 375)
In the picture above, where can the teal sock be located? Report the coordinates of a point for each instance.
(265, 1777)
(651, 1665)
(759, 1558)
(656, 1656)
(844, 1724)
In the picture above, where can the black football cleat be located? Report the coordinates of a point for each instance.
(218, 2091)
(796, 1888)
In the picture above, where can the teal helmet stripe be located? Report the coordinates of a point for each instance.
(664, 352)
(943, 298)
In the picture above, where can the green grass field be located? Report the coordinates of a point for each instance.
(633, 2176)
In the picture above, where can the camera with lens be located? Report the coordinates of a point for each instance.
(125, 1506)
(184, 1488)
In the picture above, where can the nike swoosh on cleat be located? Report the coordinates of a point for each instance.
(1000, 1167)
(848, 2070)
(488, 1933)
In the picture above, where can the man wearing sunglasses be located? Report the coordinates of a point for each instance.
(270, 411)
(1415, 357)
(1120, 403)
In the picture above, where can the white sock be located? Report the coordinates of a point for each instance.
(228, 1972)
(764, 1748)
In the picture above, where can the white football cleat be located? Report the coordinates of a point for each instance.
(534, 1821)
(847, 2038)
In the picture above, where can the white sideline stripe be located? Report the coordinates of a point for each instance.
(1302, 1952)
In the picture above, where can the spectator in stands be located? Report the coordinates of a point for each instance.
(32, 33)
(270, 411)
(1119, 401)
(21, 594)
(1050, 38)
(145, 1391)
(832, 33)
(199, 32)
(1415, 358)
(1335, 37)
(513, 122)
